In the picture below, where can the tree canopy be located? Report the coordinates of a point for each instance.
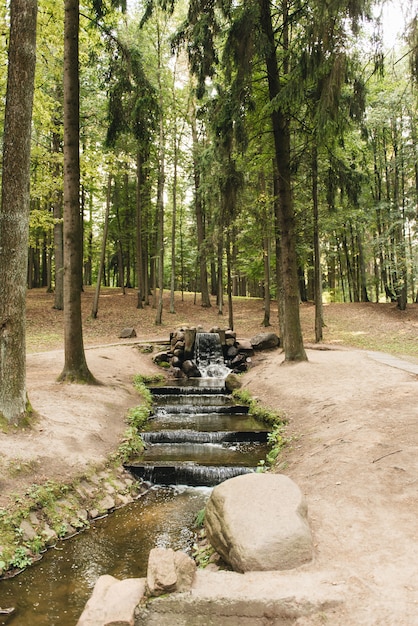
(261, 148)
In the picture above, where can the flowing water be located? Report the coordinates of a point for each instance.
(54, 591)
(197, 436)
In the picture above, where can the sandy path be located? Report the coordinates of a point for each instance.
(355, 423)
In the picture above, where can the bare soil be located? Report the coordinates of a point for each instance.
(353, 424)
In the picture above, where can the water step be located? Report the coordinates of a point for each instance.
(249, 454)
(195, 436)
(188, 390)
(203, 421)
(185, 474)
(180, 408)
(203, 399)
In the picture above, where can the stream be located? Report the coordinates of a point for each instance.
(197, 438)
(54, 591)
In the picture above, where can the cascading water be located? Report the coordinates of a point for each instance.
(209, 356)
(200, 437)
(197, 437)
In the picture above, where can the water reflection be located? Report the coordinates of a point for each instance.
(54, 591)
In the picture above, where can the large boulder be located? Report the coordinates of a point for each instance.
(113, 602)
(259, 522)
(265, 341)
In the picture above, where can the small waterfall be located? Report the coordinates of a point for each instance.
(194, 436)
(209, 356)
(200, 437)
(193, 475)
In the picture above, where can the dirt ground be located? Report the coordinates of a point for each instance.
(353, 420)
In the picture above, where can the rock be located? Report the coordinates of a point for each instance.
(176, 361)
(146, 348)
(189, 339)
(240, 358)
(177, 373)
(161, 572)
(27, 530)
(244, 345)
(127, 333)
(271, 534)
(185, 569)
(169, 571)
(190, 369)
(265, 341)
(232, 382)
(33, 518)
(106, 504)
(113, 602)
(161, 357)
(49, 536)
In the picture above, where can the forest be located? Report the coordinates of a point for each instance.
(227, 148)
(179, 149)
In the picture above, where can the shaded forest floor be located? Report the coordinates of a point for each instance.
(352, 428)
(363, 325)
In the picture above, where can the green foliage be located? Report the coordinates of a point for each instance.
(46, 494)
(276, 437)
(202, 554)
(270, 417)
(200, 518)
(21, 558)
(149, 379)
(138, 416)
(131, 446)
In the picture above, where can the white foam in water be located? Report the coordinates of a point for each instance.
(209, 356)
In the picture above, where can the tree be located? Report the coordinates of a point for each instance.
(14, 210)
(75, 365)
(292, 338)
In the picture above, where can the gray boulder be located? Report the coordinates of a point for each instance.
(265, 341)
(127, 333)
(191, 370)
(259, 522)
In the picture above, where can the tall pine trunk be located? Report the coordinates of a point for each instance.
(75, 365)
(200, 223)
(292, 332)
(319, 316)
(14, 210)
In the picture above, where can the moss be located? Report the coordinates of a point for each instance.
(276, 420)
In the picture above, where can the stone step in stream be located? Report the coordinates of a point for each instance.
(199, 436)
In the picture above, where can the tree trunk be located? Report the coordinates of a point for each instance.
(220, 285)
(229, 280)
(139, 221)
(95, 307)
(58, 233)
(160, 228)
(75, 365)
(204, 287)
(292, 332)
(173, 227)
(319, 315)
(278, 250)
(14, 210)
